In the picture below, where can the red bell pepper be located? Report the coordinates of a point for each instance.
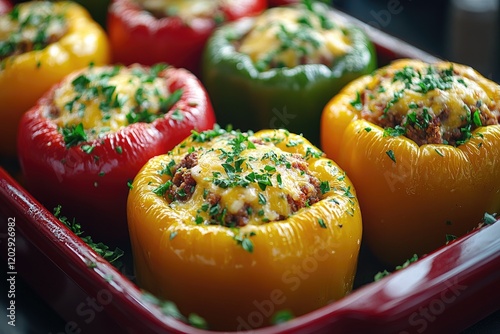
(89, 135)
(137, 35)
(5, 6)
(275, 3)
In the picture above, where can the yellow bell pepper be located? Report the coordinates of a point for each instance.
(421, 144)
(235, 227)
(55, 40)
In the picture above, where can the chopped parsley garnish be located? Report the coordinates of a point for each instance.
(490, 218)
(384, 273)
(357, 104)
(450, 238)
(177, 115)
(324, 187)
(321, 223)
(398, 130)
(87, 148)
(282, 316)
(208, 135)
(244, 241)
(73, 135)
(390, 154)
(32, 31)
(170, 309)
(162, 189)
(262, 199)
(112, 256)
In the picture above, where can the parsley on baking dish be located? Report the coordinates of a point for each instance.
(488, 219)
(103, 250)
(169, 308)
(382, 274)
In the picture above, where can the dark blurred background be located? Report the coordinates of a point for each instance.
(463, 31)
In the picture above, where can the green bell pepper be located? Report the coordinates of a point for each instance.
(283, 86)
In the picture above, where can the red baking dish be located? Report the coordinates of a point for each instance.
(446, 291)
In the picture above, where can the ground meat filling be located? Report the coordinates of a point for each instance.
(428, 105)
(244, 181)
(219, 215)
(183, 183)
(308, 195)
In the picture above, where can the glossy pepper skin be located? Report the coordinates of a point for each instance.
(298, 264)
(89, 179)
(137, 36)
(5, 6)
(24, 78)
(413, 196)
(282, 97)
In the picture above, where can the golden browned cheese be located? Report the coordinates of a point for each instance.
(287, 36)
(105, 98)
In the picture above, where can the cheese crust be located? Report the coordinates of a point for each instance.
(290, 36)
(429, 103)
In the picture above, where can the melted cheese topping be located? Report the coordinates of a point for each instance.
(242, 190)
(30, 26)
(443, 95)
(106, 99)
(186, 10)
(289, 36)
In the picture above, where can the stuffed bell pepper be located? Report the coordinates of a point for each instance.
(236, 227)
(174, 32)
(5, 6)
(421, 143)
(87, 137)
(278, 70)
(40, 43)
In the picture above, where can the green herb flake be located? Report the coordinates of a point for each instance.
(324, 187)
(87, 148)
(282, 316)
(357, 104)
(112, 256)
(450, 238)
(247, 245)
(439, 152)
(321, 223)
(163, 188)
(262, 199)
(385, 273)
(119, 149)
(279, 180)
(489, 218)
(477, 118)
(73, 135)
(391, 155)
(196, 321)
(177, 115)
